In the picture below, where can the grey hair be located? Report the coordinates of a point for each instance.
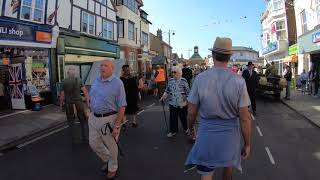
(177, 69)
(71, 71)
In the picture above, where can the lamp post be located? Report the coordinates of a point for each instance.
(169, 33)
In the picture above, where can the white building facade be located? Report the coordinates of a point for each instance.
(308, 32)
(133, 36)
(88, 33)
(242, 55)
(277, 32)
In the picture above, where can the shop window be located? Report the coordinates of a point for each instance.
(121, 29)
(88, 23)
(108, 29)
(132, 62)
(131, 30)
(304, 25)
(33, 10)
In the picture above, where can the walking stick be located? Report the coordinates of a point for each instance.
(165, 116)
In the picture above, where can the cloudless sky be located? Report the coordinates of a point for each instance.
(199, 22)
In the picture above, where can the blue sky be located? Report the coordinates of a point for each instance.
(199, 22)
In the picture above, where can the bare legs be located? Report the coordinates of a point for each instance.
(226, 175)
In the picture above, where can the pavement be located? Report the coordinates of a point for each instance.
(306, 105)
(284, 146)
(18, 126)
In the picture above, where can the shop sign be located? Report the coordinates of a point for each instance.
(273, 46)
(21, 32)
(316, 37)
(293, 49)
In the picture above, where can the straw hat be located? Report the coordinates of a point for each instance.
(222, 45)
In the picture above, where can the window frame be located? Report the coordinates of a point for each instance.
(304, 21)
(144, 34)
(281, 30)
(279, 4)
(133, 29)
(88, 23)
(318, 10)
(105, 27)
(32, 11)
(119, 29)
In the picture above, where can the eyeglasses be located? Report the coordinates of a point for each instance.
(173, 72)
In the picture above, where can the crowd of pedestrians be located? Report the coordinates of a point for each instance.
(218, 97)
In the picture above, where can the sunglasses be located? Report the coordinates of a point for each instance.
(173, 72)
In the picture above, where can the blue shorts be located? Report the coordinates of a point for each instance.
(204, 170)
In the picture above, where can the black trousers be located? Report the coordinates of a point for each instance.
(175, 113)
(82, 119)
(253, 101)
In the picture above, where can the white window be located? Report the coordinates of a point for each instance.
(120, 28)
(88, 23)
(318, 10)
(33, 10)
(277, 4)
(304, 25)
(145, 38)
(281, 30)
(130, 30)
(108, 29)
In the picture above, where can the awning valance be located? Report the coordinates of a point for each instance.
(291, 59)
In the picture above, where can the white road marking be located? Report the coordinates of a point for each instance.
(270, 156)
(259, 131)
(140, 112)
(253, 118)
(41, 137)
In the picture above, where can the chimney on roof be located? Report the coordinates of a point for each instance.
(159, 34)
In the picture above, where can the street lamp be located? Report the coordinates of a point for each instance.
(171, 32)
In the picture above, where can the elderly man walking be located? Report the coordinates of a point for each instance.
(221, 98)
(70, 97)
(108, 104)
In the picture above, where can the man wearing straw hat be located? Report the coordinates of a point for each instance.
(221, 99)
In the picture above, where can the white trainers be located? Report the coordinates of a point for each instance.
(170, 135)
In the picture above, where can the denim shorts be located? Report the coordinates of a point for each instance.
(204, 170)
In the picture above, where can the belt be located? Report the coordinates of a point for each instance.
(98, 115)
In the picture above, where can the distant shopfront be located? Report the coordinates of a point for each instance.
(309, 49)
(24, 63)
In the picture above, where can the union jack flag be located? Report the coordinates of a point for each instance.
(15, 82)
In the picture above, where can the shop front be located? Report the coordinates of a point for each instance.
(276, 52)
(309, 49)
(81, 52)
(25, 50)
